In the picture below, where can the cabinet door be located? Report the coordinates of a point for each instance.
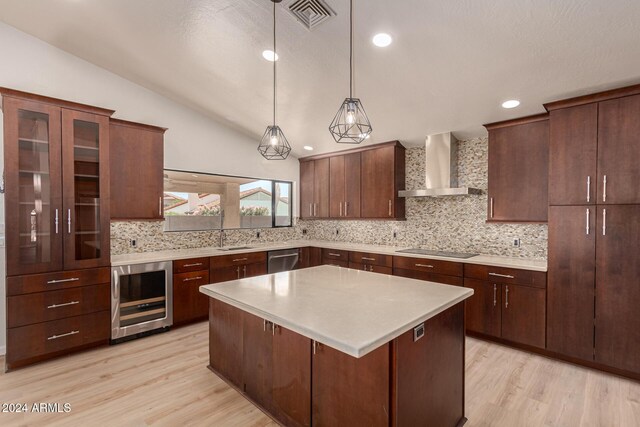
(306, 188)
(310, 257)
(483, 312)
(85, 178)
(225, 341)
(257, 361)
(189, 303)
(128, 147)
(252, 270)
(518, 173)
(224, 274)
(321, 188)
(352, 185)
(619, 151)
(291, 377)
(378, 174)
(337, 196)
(347, 391)
(571, 280)
(33, 198)
(618, 287)
(523, 315)
(573, 143)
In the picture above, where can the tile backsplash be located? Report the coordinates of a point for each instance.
(444, 223)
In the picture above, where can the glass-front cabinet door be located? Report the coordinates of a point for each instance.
(85, 156)
(33, 197)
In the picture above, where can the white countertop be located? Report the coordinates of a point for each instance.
(169, 255)
(350, 310)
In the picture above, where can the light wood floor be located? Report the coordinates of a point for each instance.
(163, 380)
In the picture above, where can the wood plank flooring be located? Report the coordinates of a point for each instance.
(163, 380)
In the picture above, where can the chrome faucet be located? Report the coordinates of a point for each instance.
(222, 237)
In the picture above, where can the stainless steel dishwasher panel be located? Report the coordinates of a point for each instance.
(283, 260)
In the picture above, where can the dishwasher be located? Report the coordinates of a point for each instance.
(283, 260)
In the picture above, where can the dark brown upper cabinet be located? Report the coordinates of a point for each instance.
(619, 151)
(383, 175)
(518, 170)
(344, 186)
(57, 176)
(137, 157)
(314, 188)
(358, 183)
(573, 148)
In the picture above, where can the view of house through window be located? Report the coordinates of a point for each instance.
(197, 201)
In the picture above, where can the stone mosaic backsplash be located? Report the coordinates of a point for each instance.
(444, 223)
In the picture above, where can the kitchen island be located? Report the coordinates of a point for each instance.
(337, 346)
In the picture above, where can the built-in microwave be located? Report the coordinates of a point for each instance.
(141, 299)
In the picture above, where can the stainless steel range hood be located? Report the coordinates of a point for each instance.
(441, 152)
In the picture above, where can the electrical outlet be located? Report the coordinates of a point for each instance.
(516, 243)
(337, 231)
(258, 234)
(395, 234)
(304, 231)
(133, 243)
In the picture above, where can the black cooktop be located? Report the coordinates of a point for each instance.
(419, 251)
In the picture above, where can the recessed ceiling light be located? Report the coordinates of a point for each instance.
(269, 55)
(308, 148)
(512, 103)
(382, 39)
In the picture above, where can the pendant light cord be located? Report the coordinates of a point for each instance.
(351, 49)
(274, 63)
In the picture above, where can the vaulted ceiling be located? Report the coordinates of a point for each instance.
(449, 67)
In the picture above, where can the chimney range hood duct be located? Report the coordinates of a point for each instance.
(441, 152)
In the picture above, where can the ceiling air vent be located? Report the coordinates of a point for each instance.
(311, 13)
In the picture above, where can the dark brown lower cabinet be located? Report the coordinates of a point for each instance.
(349, 391)
(405, 382)
(523, 315)
(513, 312)
(371, 267)
(189, 305)
(429, 277)
(483, 310)
(617, 327)
(310, 257)
(571, 280)
(235, 272)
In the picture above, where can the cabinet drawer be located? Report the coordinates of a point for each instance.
(191, 278)
(371, 259)
(46, 306)
(191, 264)
(429, 277)
(536, 279)
(433, 266)
(37, 340)
(372, 268)
(337, 262)
(55, 281)
(335, 254)
(238, 259)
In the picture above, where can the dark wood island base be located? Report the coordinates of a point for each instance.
(298, 381)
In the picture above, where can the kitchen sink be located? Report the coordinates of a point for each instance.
(235, 248)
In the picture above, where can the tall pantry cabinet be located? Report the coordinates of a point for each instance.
(57, 225)
(594, 229)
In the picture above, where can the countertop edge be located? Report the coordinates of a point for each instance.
(352, 351)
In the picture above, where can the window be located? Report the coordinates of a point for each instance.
(199, 201)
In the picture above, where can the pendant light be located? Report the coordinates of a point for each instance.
(351, 124)
(274, 145)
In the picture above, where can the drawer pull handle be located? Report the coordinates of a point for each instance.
(240, 259)
(424, 265)
(506, 276)
(333, 254)
(189, 279)
(368, 259)
(192, 265)
(63, 304)
(55, 337)
(73, 279)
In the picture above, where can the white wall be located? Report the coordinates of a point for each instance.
(193, 141)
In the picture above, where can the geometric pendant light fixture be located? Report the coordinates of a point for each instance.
(274, 145)
(350, 124)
